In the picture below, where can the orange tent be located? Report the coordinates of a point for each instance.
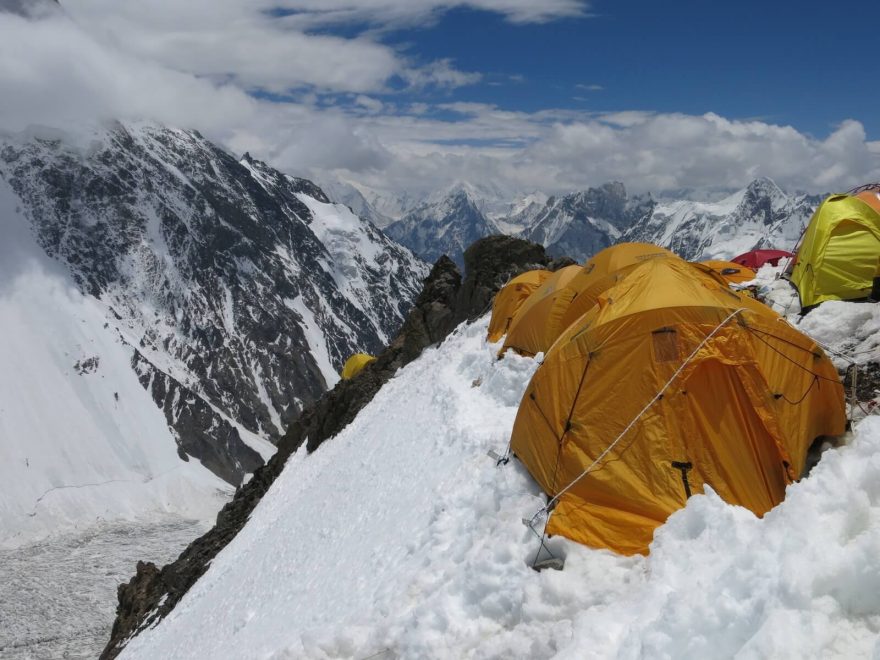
(603, 270)
(537, 324)
(870, 194)
(732, 272)
(510, 298)
(672, 382)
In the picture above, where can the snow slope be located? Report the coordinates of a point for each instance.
(81, 438)
(400, 538)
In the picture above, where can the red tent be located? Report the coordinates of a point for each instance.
(757, 258)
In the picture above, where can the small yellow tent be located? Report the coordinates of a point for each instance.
(355, 364)
(739, 410)
(839, 252)
(510, 298)
(730, 271)
(537, 324)
(605, 269)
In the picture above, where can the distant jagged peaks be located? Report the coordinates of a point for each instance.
(759, 215)
(581, 223)
(446, 224)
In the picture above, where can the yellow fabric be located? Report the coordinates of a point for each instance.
(355, 364)
(837, 257)
(605, 269)
(510, 298)
(743, 412)
(622, 255)
(730, 271)
(538, 322)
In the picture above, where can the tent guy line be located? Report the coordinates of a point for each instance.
(546, 508)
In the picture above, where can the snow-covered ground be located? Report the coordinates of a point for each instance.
(81, 440)
(58, 597)
(400, 538)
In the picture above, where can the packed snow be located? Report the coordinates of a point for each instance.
(82, 440)
(400, 538)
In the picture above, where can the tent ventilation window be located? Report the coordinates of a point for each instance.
(665, 344)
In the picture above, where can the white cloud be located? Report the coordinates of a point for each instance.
(194, 63)
(53, 73)
(440, 73)
(315, 13)
(562, 151)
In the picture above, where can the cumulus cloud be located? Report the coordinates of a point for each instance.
(269, 78)
(54, 73)
(561, 151)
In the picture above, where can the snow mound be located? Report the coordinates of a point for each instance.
(400, 538)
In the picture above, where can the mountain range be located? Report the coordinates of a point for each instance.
(581, 223)
(187, 302)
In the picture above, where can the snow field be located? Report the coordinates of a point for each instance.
(81, 441)
(400, 538)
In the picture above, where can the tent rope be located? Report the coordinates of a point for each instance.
(552, 502)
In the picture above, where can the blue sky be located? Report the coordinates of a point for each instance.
(412, 96)
(798, 63)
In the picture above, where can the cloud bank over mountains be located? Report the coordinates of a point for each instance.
(317, 87)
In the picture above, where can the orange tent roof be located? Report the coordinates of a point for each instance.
(536, 325)
(510, 298)
(871, 198)
(730, 271)
(604, 269)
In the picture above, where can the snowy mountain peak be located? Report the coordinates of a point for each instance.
(582, 223)
(447, 225)
(759, 215)
(236, 291)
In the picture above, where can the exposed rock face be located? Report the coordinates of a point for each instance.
(240, 290)
(445, 301)
(490, 263)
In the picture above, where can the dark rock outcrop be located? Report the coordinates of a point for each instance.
(445, 301)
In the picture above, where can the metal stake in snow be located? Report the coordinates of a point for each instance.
(546, 508)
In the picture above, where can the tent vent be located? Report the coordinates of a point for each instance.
(666, 345)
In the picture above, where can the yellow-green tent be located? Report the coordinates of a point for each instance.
(738, 416)
(839, 253)
(355, 364)
(510, 298)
